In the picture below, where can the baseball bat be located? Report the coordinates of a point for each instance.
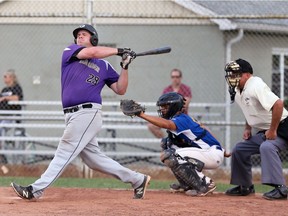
(156, 51)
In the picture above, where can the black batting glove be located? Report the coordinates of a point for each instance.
(122, 51)
(127, 58)
(133, 54)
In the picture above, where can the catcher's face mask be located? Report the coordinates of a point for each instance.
(163, 110)
(233, 76)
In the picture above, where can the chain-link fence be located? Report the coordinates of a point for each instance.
(203, 35)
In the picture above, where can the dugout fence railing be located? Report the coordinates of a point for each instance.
(117, 141)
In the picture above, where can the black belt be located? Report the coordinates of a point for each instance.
(76, 108)
(218, 147)
(283, 121)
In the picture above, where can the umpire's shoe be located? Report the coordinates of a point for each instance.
(240, 191)
(139, 192)
(23, 192)
(278, 193)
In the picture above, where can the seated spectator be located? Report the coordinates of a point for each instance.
(178, 87)
(11, 92)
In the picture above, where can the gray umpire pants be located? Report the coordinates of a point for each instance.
(271, 165)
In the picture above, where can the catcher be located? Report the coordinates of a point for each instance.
(189, 146)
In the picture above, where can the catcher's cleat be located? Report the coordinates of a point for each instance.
(191, 192)
(23, 192)
(178, 188)
(204, 191)
(209, 189)
(139, 192)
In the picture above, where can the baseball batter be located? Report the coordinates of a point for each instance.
(83, 76)
(189, 147)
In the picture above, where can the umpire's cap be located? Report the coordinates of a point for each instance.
(239, 66)
(91, 30)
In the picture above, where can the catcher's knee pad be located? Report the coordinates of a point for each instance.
(168, 158)
(197, 163)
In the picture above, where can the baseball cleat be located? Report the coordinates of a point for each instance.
(210, 188)
(176, 188)
(23, 192)
(139, 192)
(179, 188)
(191, 192)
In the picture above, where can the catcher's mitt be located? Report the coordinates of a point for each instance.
(131, 108)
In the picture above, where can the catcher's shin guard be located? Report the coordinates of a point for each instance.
(185, 173)
(182, 183)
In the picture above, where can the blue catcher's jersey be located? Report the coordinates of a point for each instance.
(189, 133)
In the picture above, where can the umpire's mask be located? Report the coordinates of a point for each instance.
(234, 70)
(233, 76)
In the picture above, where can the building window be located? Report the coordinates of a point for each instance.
(280, 72)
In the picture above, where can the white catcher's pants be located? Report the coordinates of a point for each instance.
(211, 157)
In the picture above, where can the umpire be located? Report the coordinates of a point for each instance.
(265, 119)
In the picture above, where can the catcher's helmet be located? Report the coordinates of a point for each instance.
(174, 100)
(91, 30)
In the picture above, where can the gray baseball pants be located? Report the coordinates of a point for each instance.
(271, 165)
(79, 138)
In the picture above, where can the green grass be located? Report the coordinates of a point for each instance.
(111, 183)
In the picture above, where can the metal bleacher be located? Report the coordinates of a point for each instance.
(125, 139)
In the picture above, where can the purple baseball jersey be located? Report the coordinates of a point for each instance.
(83, 80)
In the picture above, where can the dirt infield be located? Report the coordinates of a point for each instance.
(86, 202)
